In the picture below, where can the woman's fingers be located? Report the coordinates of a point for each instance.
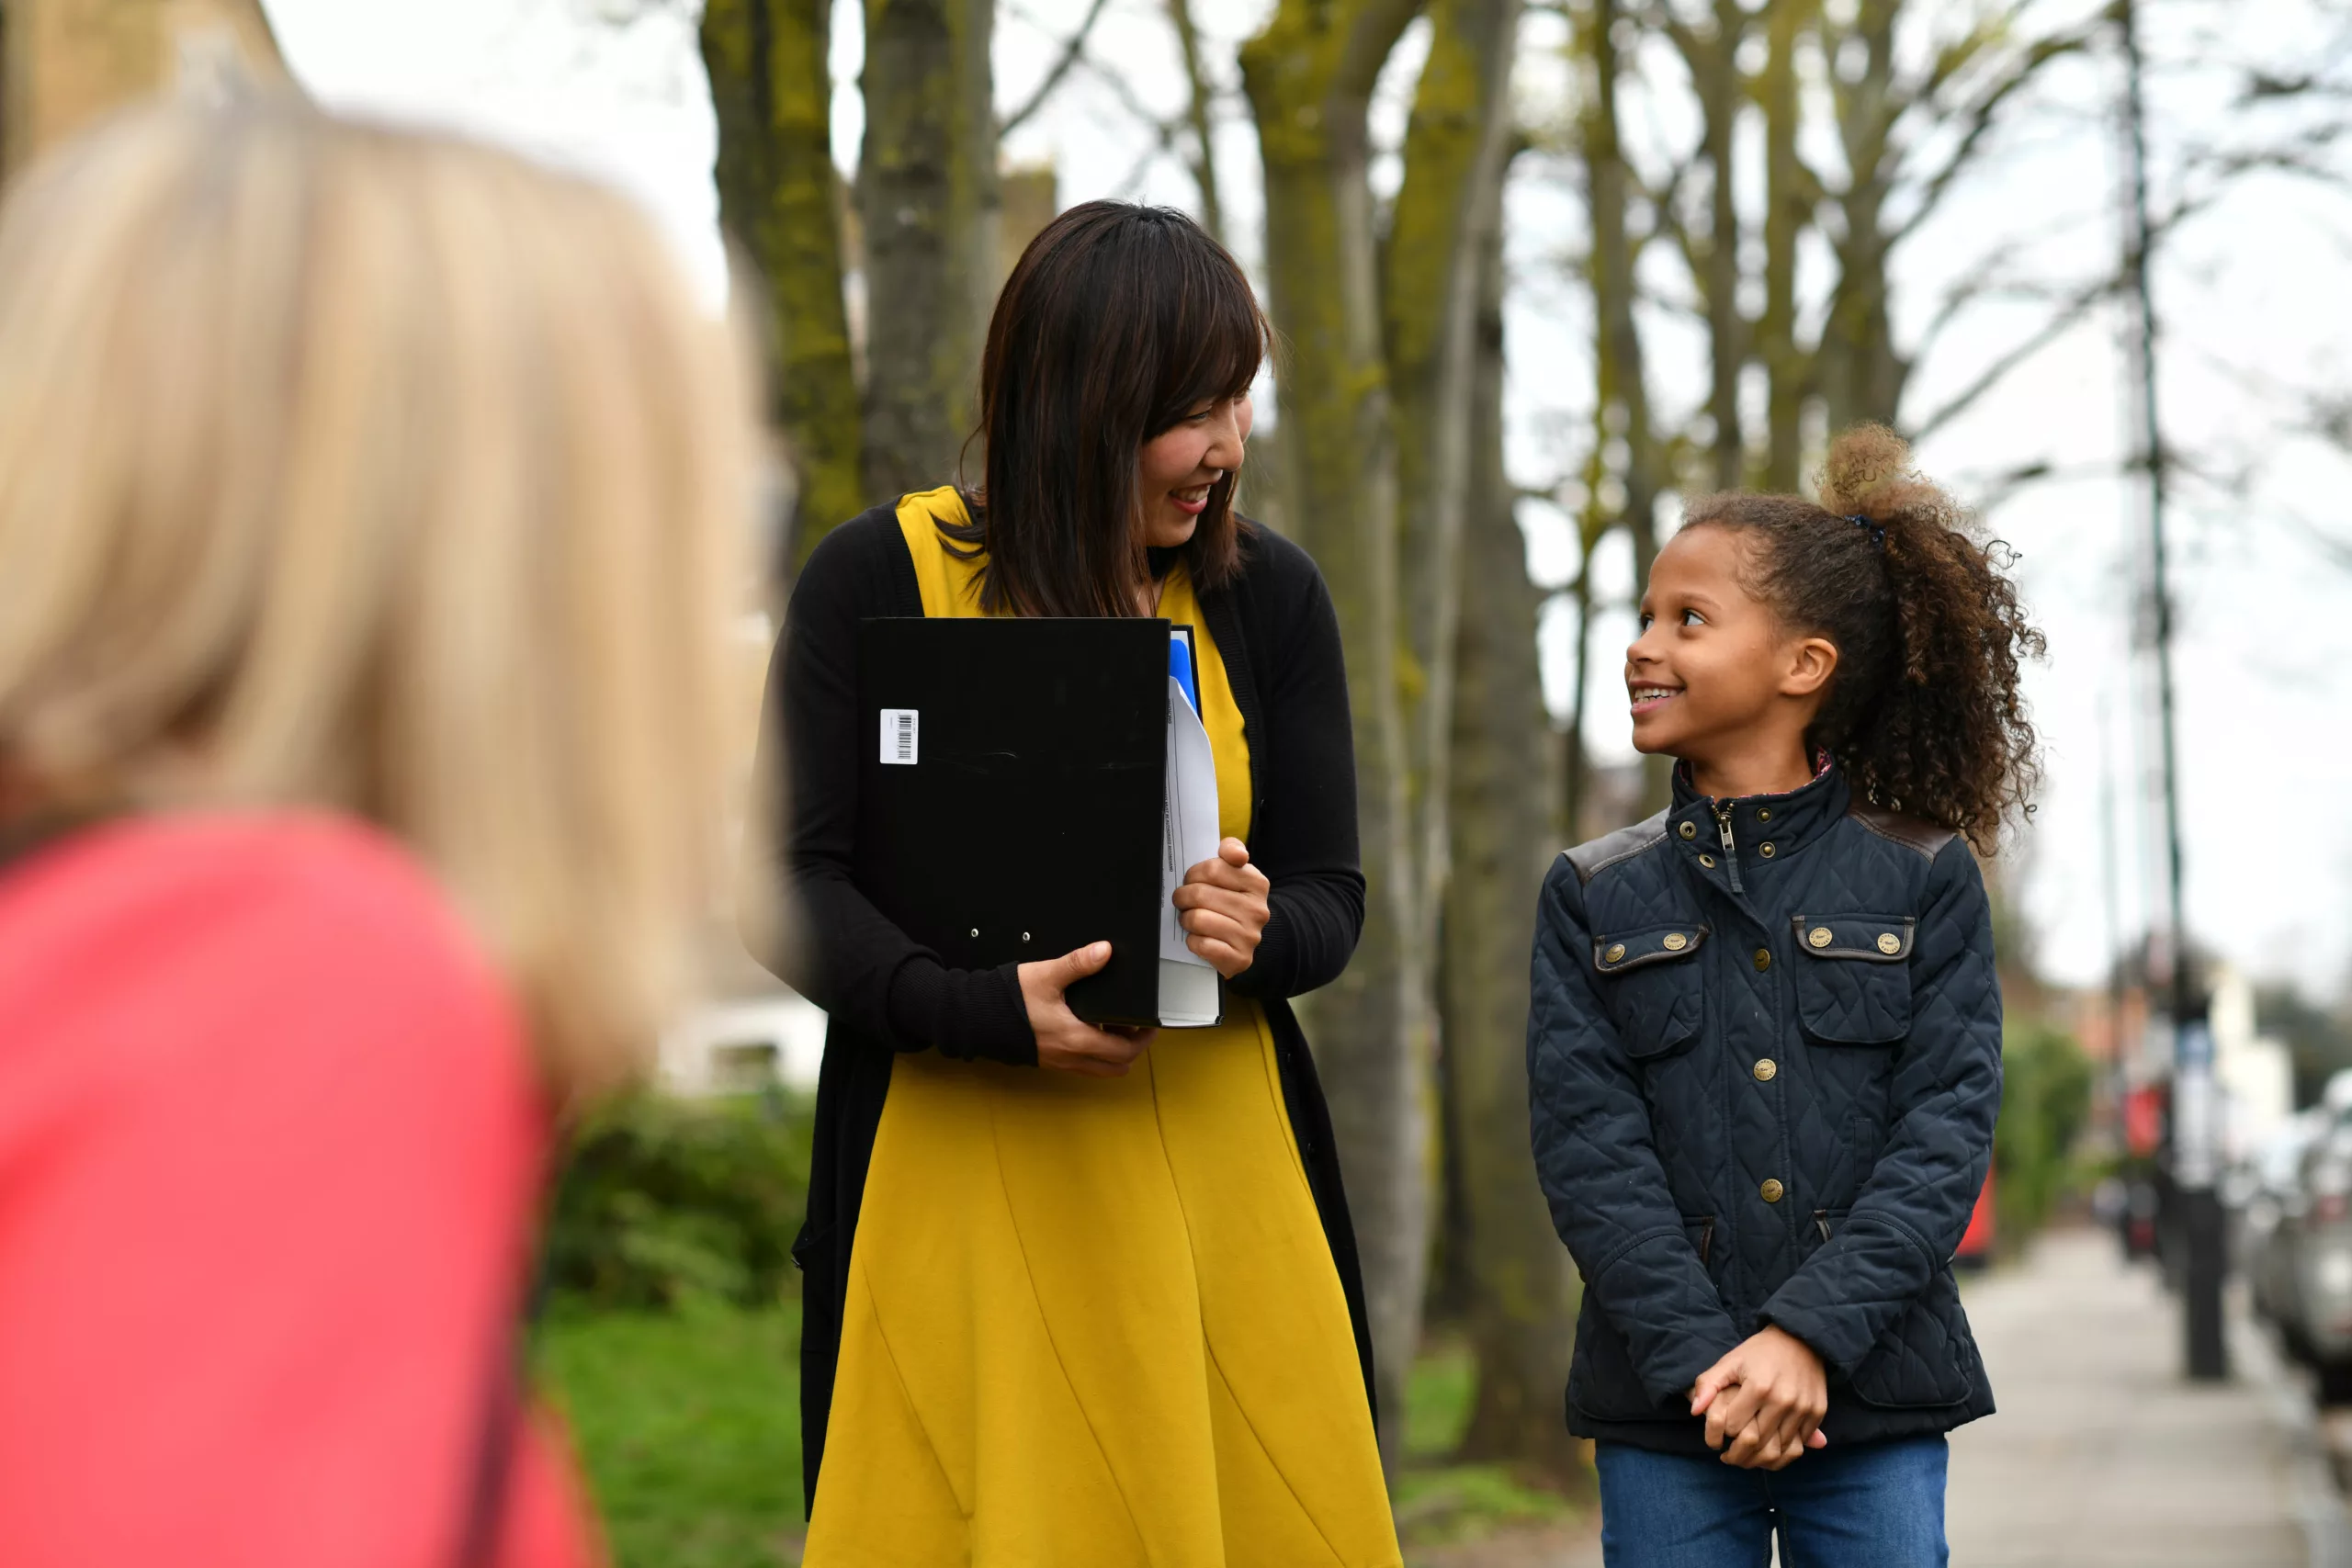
(1078, 965)
(1224, 900)
(1221, 925)
(1227, 960)
(1079, 1047)
(1222, 872)
(1087, 1067)
(1066, 1040)
(1047, 979)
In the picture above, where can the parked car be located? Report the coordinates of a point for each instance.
(2272, 1203)
(2298, 1238)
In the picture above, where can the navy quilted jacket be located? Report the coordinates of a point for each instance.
(1765, 1059)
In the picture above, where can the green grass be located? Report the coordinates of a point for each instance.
(688, 1423)
(1438, 1401)
(1439, 1503)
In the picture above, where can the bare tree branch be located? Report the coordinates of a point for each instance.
(2060, 323)
(1196, 108)
(1073, 49)
(2333, 549)
(1979, 118)
(1953, 59)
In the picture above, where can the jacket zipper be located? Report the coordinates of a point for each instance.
(1731, 850)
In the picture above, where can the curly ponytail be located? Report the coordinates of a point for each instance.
(1924, 712)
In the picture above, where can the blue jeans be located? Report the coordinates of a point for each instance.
(1875, 1504)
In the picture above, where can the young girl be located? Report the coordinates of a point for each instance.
(1764, 1043)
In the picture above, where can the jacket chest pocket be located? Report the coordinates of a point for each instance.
(1652, 987)
(1853, 981)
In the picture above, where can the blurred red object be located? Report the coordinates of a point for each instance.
(2144, 1120)
(1976, 1241)
(269, 1147)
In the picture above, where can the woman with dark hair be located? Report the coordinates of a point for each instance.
(1073, 1295)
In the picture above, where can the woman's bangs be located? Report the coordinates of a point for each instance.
(1215, 342)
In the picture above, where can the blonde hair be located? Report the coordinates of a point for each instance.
(359, 467)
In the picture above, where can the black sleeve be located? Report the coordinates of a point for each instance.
(837, 949)
(1305, 838)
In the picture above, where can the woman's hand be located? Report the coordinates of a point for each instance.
(1765, 1399)
(1225, 910)
(1065, 1040)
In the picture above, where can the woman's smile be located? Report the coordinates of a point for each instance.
(1184, 464)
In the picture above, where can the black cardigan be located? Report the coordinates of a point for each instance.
(1278, 636)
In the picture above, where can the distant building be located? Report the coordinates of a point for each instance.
(2256, 1073)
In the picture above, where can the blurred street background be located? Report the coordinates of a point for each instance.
(1543, 268)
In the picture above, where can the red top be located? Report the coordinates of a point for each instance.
(269, 1152)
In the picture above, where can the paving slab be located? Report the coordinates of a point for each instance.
(2103, 1456)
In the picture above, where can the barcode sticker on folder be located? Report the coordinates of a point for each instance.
(900, 729)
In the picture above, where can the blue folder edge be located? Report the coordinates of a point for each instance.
(1179, 664)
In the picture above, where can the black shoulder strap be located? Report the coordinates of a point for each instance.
(501, 1420)
(29, 835)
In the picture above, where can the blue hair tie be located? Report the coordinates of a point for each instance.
(1877, 535)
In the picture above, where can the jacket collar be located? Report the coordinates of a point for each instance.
(1763, 828)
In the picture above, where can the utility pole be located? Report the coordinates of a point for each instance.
(2195, 1102)
(2119, 1078)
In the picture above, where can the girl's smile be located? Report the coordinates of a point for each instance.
(1647, 699)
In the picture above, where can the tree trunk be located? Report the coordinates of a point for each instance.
(779, 195)
(1713, 59)
(1447, 218)
(1622, 399)
(1577, 764)
(70, 62)
(928, 200)
(1786, 207)
(1196, 113)
(1309, 76)
(1523, 1294)
(1861, 376)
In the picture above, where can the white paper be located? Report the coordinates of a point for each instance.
(1188, 983)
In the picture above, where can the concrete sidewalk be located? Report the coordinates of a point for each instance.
(2102, 1457)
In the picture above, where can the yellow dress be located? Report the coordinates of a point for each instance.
(1094, 1323)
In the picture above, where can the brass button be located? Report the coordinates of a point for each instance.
(1707, 861)
(1764, 1069)
(1819, 936)
(1763, 959)
(1771, 1190)
(1675, 941)
(1888, 943)
(1616, 951)
(1690, 829)
(1765, 848)
(1763, 813)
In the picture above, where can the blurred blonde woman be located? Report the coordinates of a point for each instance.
(366, 510)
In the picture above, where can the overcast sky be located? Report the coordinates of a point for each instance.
(2251, 293)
